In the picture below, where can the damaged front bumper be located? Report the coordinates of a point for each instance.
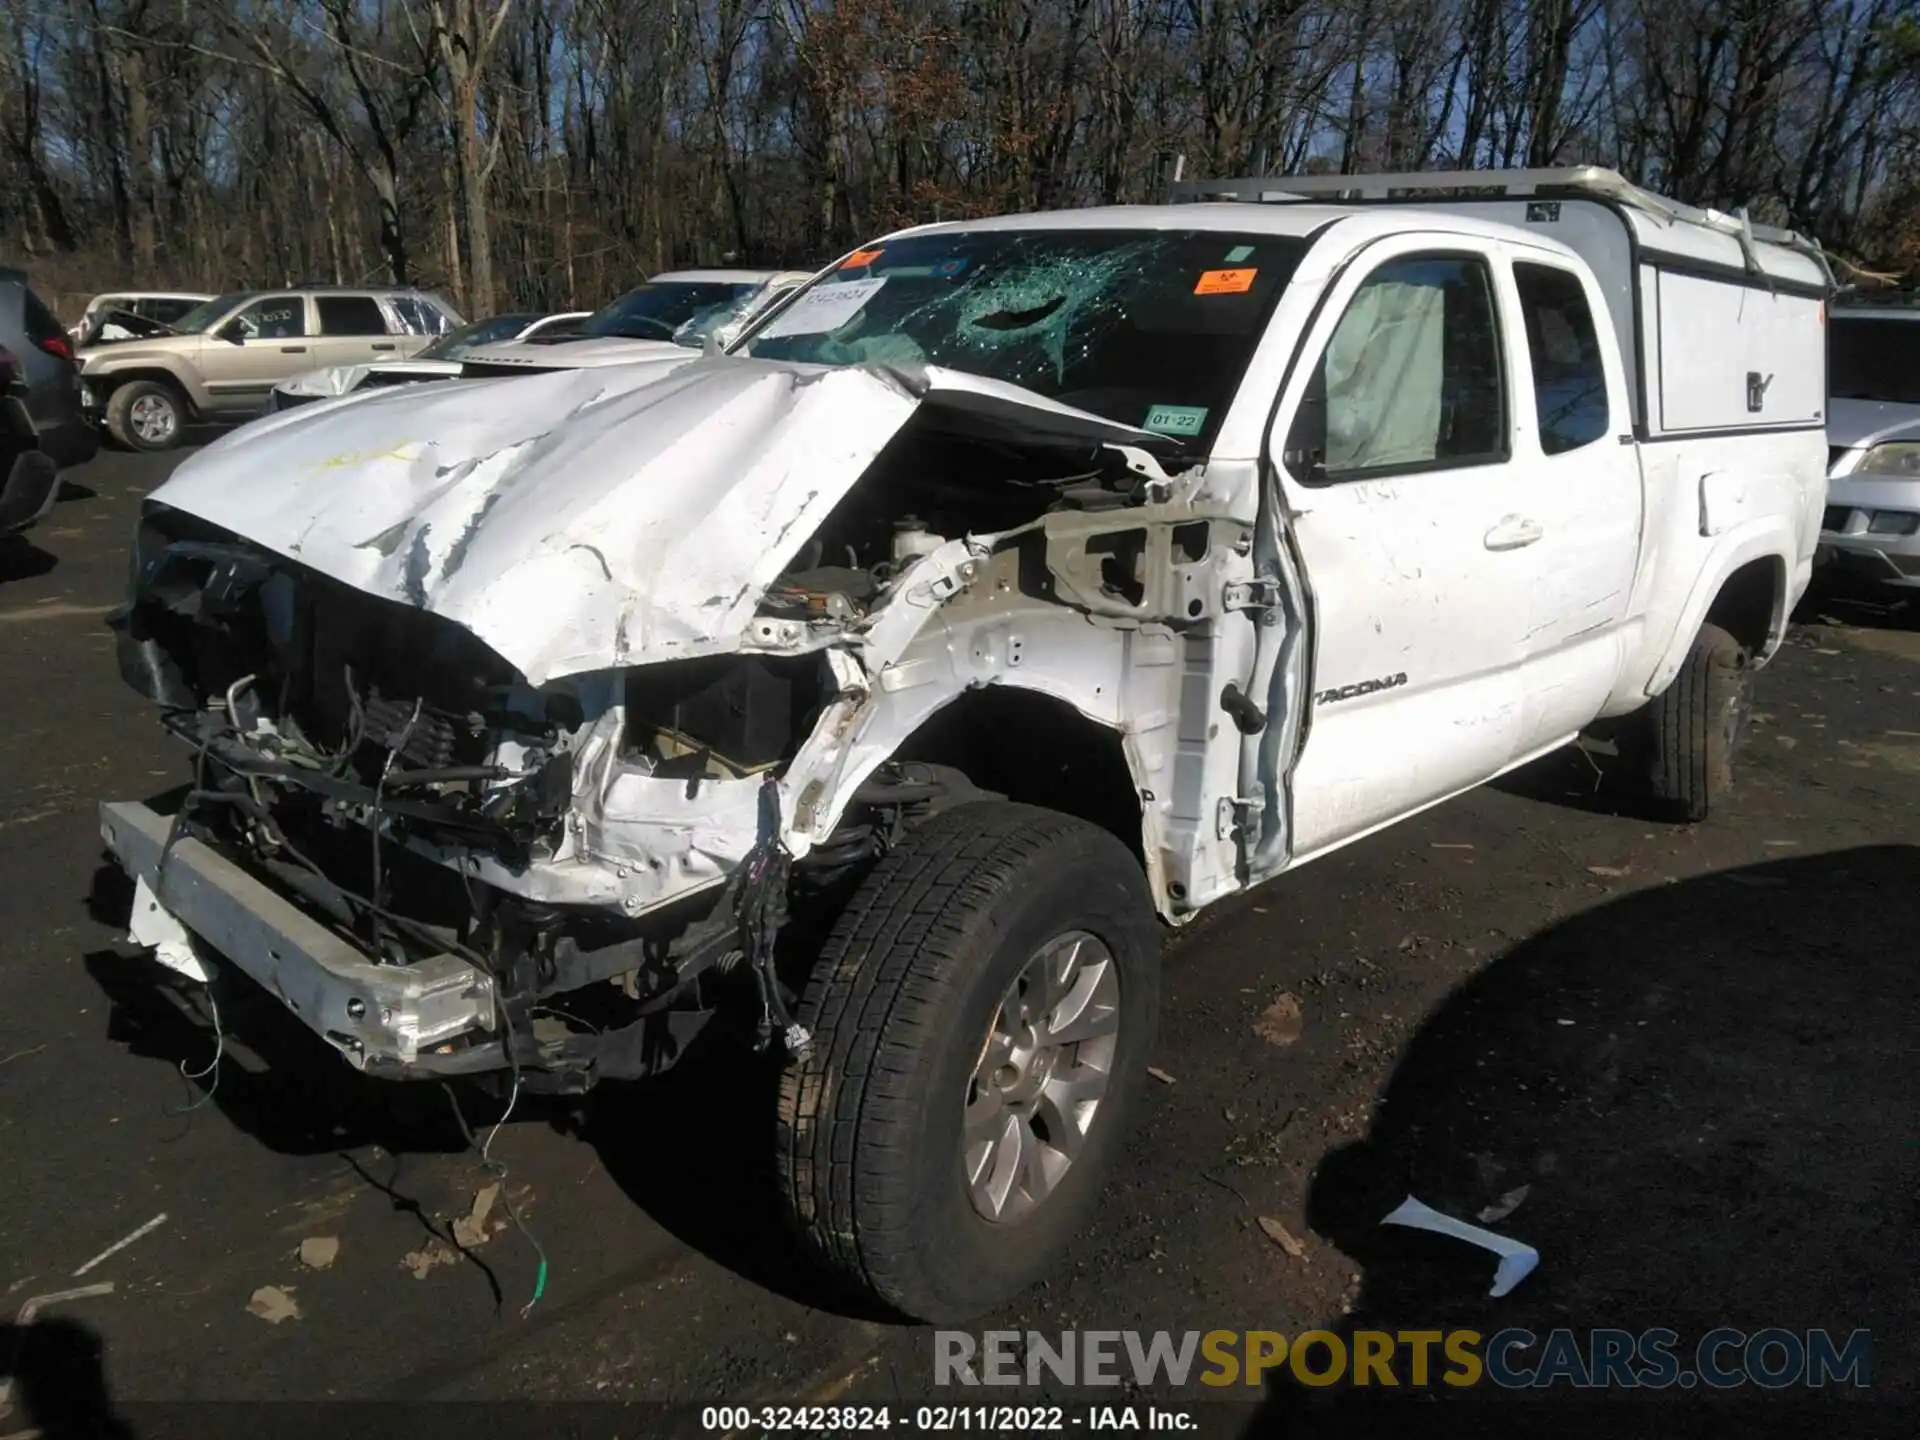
(431, 1018)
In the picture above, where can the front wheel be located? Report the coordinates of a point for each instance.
(1697, 724)
(982, 1015)
(146, 415)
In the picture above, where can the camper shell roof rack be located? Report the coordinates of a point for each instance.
(1572, 182)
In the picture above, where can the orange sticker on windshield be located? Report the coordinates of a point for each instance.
(1225, 282)
(860, 259)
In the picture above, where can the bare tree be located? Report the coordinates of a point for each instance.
(534, 152)
(467, 31)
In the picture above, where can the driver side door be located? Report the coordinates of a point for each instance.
(273, 344)
(1394, 459)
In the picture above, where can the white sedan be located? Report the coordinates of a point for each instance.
(439, 361)
(674, 312)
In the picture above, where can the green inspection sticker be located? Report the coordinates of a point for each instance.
(1175, 419)
(1238, 253)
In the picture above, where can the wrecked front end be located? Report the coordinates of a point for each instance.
(538, 750)
(444, 868)
(441, 869)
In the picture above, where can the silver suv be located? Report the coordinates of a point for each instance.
(1871, 530)
(221, 360)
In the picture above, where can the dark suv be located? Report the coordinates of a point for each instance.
(43, 355)
(29, 481)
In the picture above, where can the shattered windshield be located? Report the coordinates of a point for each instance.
(1874, 360)
(659, 310)
(1151, 328)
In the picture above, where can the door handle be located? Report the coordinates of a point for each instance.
(1515, 532)
(293, 349)
(387, 346)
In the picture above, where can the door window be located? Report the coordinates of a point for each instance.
(1412, 378)
(351, 315)
(278, 317)
(1569, 377)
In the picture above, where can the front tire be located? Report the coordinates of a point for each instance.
(146, 415)
(1697, 724)
(982, 1016)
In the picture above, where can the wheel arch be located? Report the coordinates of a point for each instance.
(1745, 594)
(1036, 748)
(1750, 602)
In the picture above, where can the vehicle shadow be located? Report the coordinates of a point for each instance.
(276, 1080)
(1698, 1100)
(21, 559)
(57, 1370)
(1858, 604)
(206, 432)
(1577, 778)
(692, 1148)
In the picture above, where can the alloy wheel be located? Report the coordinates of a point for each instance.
(1042, 1076)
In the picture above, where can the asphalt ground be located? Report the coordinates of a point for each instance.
(1692, 1048)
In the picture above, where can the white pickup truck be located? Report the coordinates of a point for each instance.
(886, 685)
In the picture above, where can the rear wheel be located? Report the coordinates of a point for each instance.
(146, 415)
(982, 1016)
(1696, 726)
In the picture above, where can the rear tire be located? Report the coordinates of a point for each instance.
(146, 415)
(936, 1088)
(1695, 727)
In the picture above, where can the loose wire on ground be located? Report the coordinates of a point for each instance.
(498, 1169)
(212, 1066)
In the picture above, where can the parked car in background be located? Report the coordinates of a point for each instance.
(221, 360)
(44, 356)
(29, 480)
(129, 314)
(1871, 530)
(675, 310)
(439, 361)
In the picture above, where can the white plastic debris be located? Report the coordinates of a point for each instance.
(1517, 1260)
(121, 1244)
(156, 926)
(1504, 1206)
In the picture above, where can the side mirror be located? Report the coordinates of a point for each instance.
(233, 332)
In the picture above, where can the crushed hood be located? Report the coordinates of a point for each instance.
(580, 520)
(335, 380)
(129, 325)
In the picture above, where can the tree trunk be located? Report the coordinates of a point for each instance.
(473, 199)
(133, 71)
(454, 281)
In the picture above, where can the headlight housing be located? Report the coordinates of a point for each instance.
(1897, 457)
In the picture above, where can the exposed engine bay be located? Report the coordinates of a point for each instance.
(611, 850)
